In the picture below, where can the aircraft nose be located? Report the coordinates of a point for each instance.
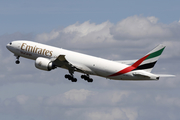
(8, 46)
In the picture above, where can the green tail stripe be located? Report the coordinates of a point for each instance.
(155, 54)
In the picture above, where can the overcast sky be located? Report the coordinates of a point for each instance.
(111, 29)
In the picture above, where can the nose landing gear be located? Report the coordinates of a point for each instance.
(17, 60)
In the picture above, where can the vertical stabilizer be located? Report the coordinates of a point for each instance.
(149, 60)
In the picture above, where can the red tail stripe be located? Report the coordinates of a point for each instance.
(137, 63)
(132, 67)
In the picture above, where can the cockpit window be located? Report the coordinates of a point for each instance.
(10, 43)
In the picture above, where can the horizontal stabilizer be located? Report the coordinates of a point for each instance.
(141, 74)
(127, 62)
(165, 75)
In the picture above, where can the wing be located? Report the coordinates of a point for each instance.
(61, 61)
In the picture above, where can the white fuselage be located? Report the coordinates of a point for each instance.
(90, 64)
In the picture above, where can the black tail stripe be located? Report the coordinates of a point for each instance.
(146, 66)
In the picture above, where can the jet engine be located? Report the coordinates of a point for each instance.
(44, 64)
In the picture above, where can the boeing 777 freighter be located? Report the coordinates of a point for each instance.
(48, 58)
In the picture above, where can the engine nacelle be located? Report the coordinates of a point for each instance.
(44, 64)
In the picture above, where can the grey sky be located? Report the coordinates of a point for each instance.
(116, 30)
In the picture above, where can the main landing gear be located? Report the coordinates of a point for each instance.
(17, 60)
(87, 78)
(70, 77)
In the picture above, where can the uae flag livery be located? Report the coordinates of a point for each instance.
(146, 63)
(151, 59)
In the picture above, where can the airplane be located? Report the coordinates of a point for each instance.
(48, 58)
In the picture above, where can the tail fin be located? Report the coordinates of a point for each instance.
(149, 60)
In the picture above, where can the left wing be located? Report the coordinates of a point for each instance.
(61, 61)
